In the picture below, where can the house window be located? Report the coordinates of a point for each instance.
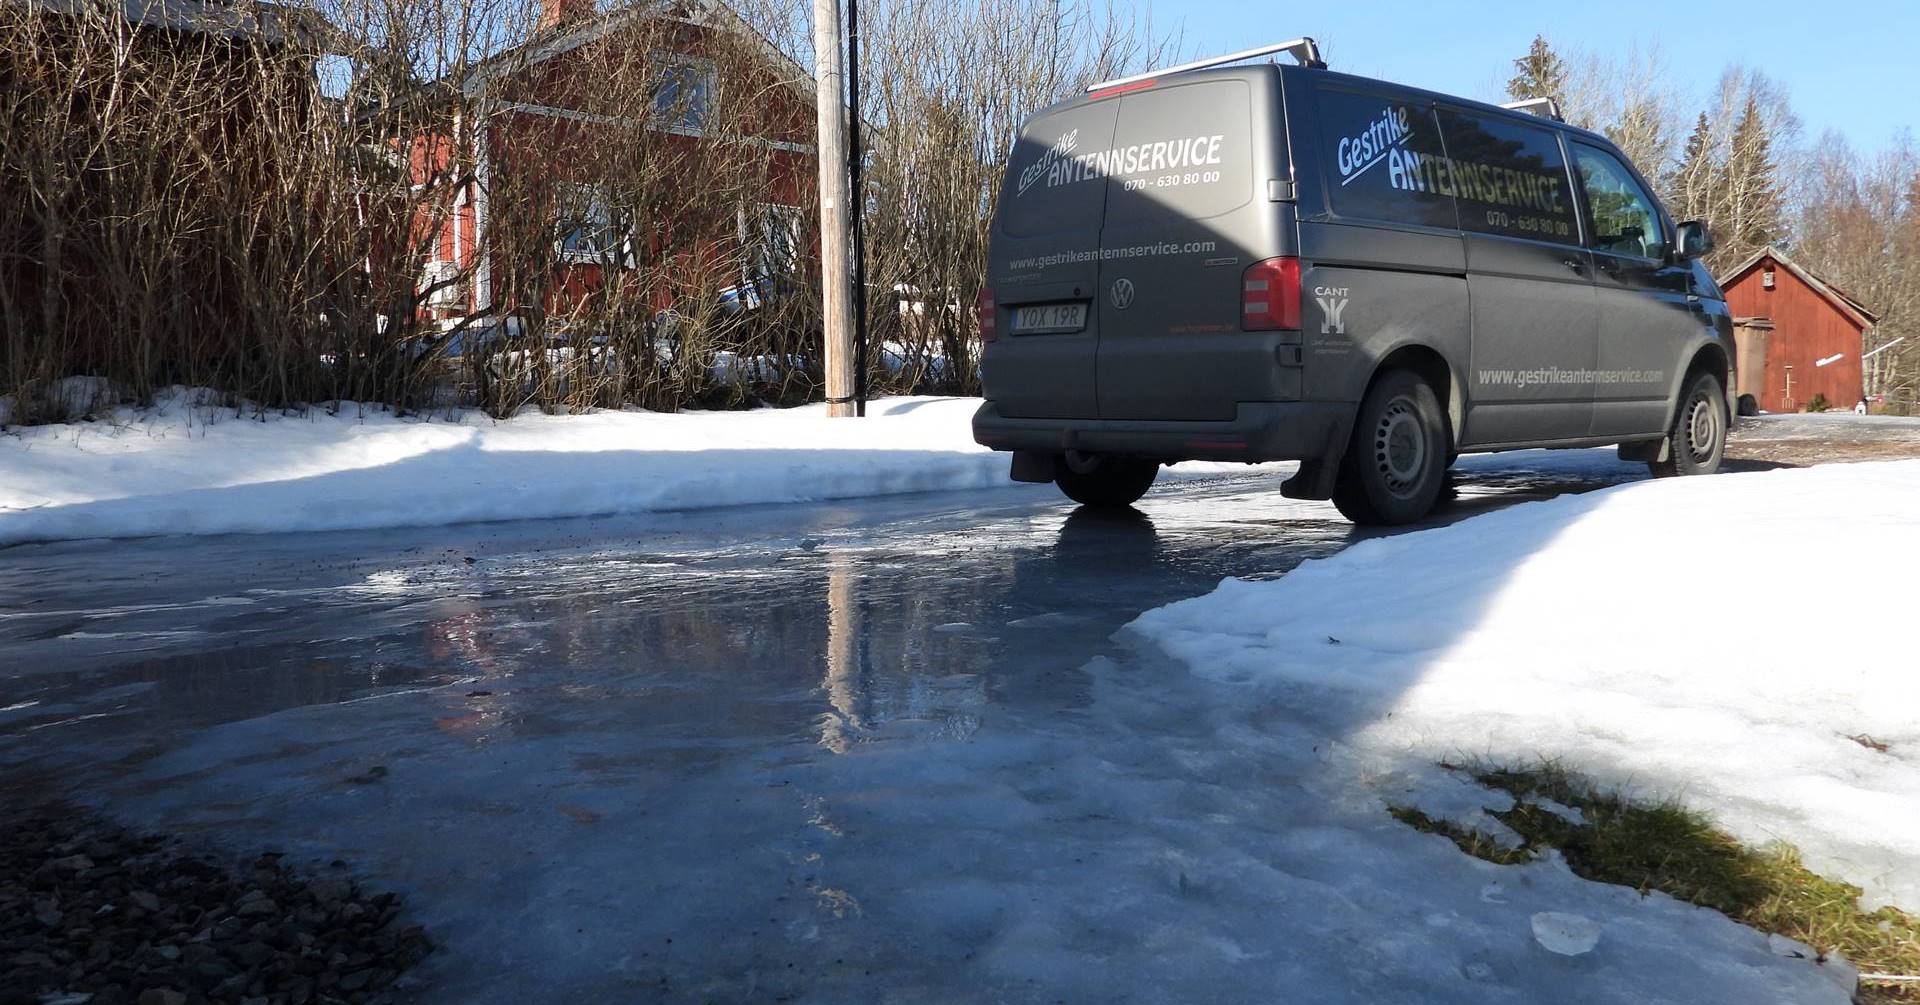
(588, 228)
(682, 92)
(772, 238)
(440, 283)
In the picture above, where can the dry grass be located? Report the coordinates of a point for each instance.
(1666, 847)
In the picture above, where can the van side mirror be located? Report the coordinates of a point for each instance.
(1693, 240)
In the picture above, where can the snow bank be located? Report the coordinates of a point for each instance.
(170, 471)
(1741, 642)
(186, 468)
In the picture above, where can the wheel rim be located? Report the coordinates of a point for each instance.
(1400, 447)
(1703, 422)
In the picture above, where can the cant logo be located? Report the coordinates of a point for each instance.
(1333, 308)
(1122, 294)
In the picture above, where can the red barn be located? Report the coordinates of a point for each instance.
(1817, 334)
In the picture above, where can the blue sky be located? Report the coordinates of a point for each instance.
(1848, 64)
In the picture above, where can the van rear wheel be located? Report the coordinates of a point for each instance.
(1113, 483)
(1396, 460)
(1698, 439)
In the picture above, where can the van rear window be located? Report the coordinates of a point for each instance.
(1179, 153)
(1381, 155)
(1049, 188)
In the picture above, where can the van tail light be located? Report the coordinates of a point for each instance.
(1270, 295)
(989, 321)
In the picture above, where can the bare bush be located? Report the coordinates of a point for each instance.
(495, 202)
(950, 86)
(1859, 226)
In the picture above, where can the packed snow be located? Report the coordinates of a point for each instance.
(184, 468)
(175, 469)
(1742, 643)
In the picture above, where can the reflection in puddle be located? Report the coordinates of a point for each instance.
(842, 683)
(828, 627)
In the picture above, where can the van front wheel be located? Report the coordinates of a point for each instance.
(1113, 483)
(1396, 460)
(1699, 435)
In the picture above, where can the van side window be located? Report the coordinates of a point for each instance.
(1619, 213)
(1510, 177)
(1381, 159)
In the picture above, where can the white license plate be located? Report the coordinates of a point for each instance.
(1039, 318)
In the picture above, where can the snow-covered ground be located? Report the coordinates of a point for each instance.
(1743, 643)
(176, 469)
(888, 752)
(169, 470)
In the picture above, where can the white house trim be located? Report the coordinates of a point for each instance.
(483, 181)
(618, 120)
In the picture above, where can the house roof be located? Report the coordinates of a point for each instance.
(1841, 301)
(271, 22)
(566, 38)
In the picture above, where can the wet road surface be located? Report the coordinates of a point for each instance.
(825, 747)
(121, 646)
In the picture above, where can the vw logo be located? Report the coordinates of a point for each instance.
(1121, 294)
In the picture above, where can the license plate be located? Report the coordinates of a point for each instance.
(1036, 319)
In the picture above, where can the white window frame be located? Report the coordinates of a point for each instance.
(459, 202)
(601, 217)
(757, 222)
(707, 73)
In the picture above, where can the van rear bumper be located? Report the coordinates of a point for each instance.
(1259, 431)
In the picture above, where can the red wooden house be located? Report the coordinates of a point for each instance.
(1800, 336)
(534, 103)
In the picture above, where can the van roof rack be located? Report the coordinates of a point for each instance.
(1303, 49)
(1547, 107)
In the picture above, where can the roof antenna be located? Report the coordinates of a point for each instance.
(1545, 107)
(1304, 50)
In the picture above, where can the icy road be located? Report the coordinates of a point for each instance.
(862, 752)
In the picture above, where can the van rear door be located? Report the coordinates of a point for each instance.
(1182, 225)
(1045, 266)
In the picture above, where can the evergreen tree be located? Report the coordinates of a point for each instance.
(1539, 74)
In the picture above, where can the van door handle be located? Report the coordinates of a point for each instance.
(1575, 266)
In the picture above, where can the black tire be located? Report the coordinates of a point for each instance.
(1749, 405)
(1114, 484)
(1699, 435)
(1396, 459)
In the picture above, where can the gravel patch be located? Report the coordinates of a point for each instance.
(94, 914)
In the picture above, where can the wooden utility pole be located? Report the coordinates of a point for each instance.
(835, 286)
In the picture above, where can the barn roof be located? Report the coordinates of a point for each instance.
(1839, 298)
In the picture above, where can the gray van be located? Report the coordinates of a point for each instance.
(1279, 262)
